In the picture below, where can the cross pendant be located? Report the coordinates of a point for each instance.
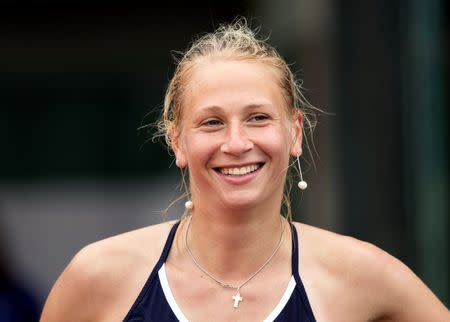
(237, 298)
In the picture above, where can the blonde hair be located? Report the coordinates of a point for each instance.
(235, 41)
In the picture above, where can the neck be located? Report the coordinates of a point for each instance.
(233, 243)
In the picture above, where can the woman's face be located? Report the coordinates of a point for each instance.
(235, 135)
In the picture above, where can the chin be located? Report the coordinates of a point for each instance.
(241, 201)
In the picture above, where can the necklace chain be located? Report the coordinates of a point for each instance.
(221, 283)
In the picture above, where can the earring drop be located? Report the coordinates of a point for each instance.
(189, 205)
(302, 184)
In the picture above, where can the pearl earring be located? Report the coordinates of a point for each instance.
(189, 205)
(302, 184)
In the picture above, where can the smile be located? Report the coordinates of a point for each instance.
(241, 170)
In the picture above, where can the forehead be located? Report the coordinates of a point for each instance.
(220, 82)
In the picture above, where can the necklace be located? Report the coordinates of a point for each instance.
(237, 297)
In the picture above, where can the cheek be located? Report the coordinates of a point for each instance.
(275, 143)
(199, 148)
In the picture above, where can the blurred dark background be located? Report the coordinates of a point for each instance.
(76, 81)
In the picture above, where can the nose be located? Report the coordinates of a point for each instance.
(236, 141)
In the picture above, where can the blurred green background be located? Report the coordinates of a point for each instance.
(76, 81)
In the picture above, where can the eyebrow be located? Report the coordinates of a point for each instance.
(215, 108)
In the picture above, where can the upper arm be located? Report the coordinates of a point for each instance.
(402, 295)
(407, 297)
(71, 296)
(377, 286)
(104, 278)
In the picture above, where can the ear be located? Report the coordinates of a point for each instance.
(177, 147)
(297, 135)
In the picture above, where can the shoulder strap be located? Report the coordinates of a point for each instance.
(295, 272)
(294, 252)
(154, 272)
(167, 246)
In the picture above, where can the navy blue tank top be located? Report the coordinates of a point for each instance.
(156, 303)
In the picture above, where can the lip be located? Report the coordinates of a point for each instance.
(238, 165)
(241, 179)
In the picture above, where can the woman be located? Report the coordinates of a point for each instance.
(233, 116)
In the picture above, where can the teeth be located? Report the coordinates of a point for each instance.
(239, 171)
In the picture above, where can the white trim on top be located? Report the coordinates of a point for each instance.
(182, 318)
(284, 299)
(169, 295)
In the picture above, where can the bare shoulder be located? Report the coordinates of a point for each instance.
(376, 285)
(106, 276)
(339, 253)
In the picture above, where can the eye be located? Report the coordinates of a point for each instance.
(259, 118)
(211, 123)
